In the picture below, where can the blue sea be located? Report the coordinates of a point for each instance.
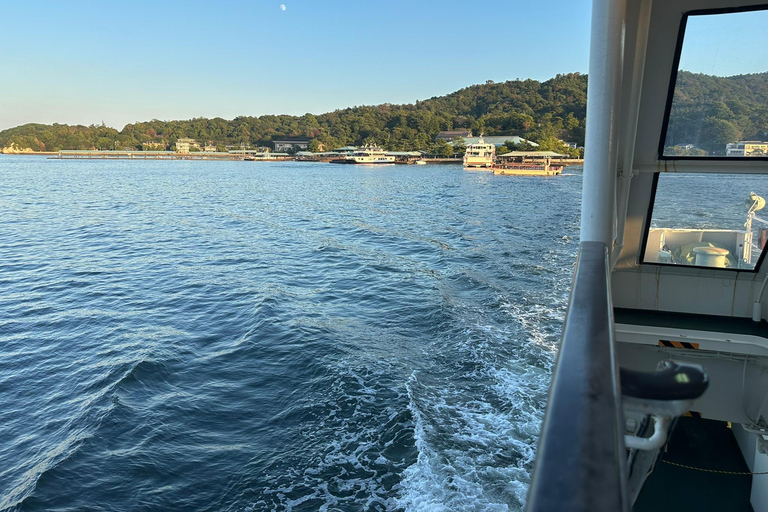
(255, 336)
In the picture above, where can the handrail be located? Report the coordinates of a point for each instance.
(581, 460)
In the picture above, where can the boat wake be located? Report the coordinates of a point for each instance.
(477, 424)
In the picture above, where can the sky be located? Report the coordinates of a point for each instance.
(726, 44)
(87, 62)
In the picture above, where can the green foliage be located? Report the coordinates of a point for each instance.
(681, 151)
(708, 111)
(510, 146)
(528, 108)
(442, 149)
(459, 145)
(552, 144)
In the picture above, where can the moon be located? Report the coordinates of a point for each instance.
(282, 7)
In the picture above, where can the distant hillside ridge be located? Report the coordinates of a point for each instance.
(545, 112)
(708, 111)
(539, 111)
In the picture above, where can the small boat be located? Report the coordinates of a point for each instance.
(519, 163)
(370, 155)
(420, 162)
(480, 155)
(529, 169)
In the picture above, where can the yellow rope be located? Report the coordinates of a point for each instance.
(714, 470)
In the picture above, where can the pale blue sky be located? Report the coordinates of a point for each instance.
(726, 44)
(84, 62)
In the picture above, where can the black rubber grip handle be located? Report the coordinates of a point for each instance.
(673, 381)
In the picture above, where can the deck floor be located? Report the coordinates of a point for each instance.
(705, 444)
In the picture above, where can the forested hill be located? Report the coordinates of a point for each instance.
(541, 111)
(708, 112)
(729, 109)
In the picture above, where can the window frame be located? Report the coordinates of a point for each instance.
(673, 82)
(647, 231)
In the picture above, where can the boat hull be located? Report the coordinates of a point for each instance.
(551, 170)
(370, 162)
(478, 162)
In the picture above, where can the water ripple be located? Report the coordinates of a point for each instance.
(253, 336)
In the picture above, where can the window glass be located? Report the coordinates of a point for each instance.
(720, 99)
(708, 220)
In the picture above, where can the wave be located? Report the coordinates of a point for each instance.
(91, 411)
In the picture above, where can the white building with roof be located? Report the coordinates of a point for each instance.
(747, 148)
(497, 140)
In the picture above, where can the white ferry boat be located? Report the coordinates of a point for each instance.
(370, 155)
(659, 398)
(480, 155)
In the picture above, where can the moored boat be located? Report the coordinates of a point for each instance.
(528, 163)
(529, 169)
(369, 155)
(480, 155)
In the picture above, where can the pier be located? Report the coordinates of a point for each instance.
(164, 155)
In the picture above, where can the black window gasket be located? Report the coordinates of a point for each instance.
(673, 81)
(647, 231)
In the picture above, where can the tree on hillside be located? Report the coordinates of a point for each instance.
(531, 109)
(716, 133)
(459, 146)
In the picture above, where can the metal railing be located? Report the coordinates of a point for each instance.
(581, 460)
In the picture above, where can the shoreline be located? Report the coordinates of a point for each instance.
(137, 155)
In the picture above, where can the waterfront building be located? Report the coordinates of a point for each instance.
(747, 148)
(497, 140)
(183, 145)
(153, 146)
(449, 135)
(290, 144)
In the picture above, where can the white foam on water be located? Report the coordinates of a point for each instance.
(542, 317)
(461, 464)
(476, 435)
(351, 468)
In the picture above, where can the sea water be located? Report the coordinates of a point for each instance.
(253, 336)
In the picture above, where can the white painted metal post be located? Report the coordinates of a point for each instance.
(606, 58)
(626, 173)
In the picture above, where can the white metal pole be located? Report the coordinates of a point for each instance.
(603, 99)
